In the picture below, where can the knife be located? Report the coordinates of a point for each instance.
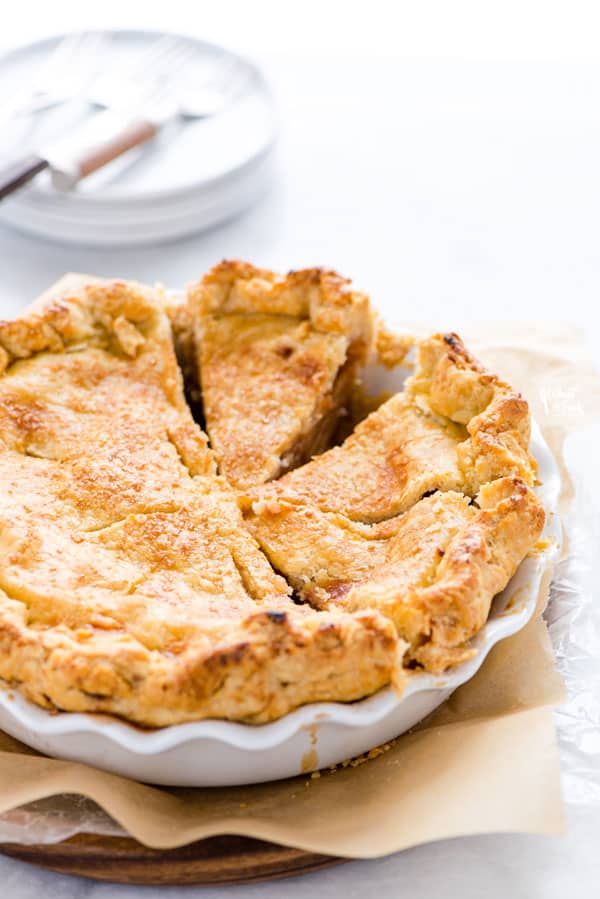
(112, 133)
(108, 136)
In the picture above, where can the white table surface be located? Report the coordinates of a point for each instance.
(450, 189)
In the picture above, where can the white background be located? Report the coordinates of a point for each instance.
(447, 157)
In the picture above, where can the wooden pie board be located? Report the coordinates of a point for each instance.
(226, 859)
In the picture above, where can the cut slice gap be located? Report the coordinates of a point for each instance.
(391, 459)
(455, 426)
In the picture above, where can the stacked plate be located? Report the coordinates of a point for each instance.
(195, 175)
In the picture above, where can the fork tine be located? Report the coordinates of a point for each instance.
(88, 45)
(155, 54)
(166, 69)
(177, 60)
(161, 84)
(186, 53)
(68, 52)
(179, 54)
(89, 55)
(55, 71)
(138, 72)
(229, 80)
(57, 56)
(223, 80)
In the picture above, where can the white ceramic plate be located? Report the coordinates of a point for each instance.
(127, 230)
(194, 175)
(221, 753)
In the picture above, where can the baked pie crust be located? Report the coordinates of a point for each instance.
(423, 513)
(128, 582)
(132, 584)
(277, 359)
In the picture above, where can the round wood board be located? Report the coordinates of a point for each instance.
(226, 859)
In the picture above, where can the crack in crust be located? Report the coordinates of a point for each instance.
(456, 426)
(129, 584)
(433, 571)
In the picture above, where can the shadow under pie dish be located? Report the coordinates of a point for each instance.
(134, 586)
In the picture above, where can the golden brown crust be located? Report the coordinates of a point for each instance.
(446, 564)
(477, 564)
(391, 348)
(355, 528)
(449, 382)
(128, 582)
(391, 459)
(319, 295)
(433, 571)
(267, 665)
(456, 426)
(277, 358)
(183, 329)
(174, 304)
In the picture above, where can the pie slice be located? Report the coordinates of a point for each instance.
(456, 426)
(433, 570)
(277, 358)
(424, 513)
(128, 583)
(173, 302)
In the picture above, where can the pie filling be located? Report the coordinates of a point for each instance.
(136, 581)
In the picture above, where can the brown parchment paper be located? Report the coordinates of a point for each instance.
(486, 761)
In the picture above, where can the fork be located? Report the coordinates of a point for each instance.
(53, 82)
(118, 130)
(152, 90)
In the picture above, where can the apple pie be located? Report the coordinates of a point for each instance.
(129, 583)
(277, 359)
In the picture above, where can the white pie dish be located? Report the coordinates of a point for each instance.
(222, 753)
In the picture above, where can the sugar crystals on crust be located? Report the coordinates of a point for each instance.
(128, 582)
(423, 513)
(277, 358)
(456, 426)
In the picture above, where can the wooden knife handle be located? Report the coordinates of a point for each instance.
(20, 172)
(132, 135)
